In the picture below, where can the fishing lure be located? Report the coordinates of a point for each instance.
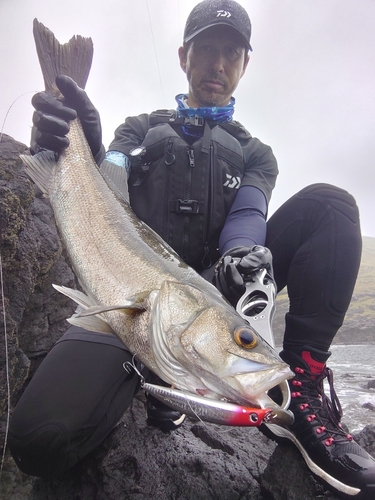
(216, 411)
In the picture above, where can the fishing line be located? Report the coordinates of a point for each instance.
(4, 314)
(6, 366)
(193, 411)
(156, 55)
(10, 107)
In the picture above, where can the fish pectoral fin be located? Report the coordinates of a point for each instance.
(88, 315)
(123, 308)
(90, 308)
(91, 323)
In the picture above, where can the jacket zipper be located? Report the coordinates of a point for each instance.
(169, 160)
(206, 260)
(188, 178)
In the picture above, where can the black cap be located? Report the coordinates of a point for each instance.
(212, 12)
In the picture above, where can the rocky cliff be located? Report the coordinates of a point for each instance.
(198, 461)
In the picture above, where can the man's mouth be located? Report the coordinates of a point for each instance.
(213, 85)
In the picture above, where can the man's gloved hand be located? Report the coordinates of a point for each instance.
(51, 118)
(236, 265)
(159, 414)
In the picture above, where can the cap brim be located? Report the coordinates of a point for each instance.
(223, 23)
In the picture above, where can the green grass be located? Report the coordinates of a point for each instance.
(366, 276)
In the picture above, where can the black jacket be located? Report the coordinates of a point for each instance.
(184, 189)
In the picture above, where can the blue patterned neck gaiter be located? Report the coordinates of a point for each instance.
(215, 114)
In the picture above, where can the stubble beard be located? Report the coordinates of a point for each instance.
(208, 99)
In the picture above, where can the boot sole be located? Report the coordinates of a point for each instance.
(284, 433)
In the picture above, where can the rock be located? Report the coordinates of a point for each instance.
(287, 477)
(348, 375)
(369, 406)
(199, 461)
(371, 384)
(32, 259)
(366, 438)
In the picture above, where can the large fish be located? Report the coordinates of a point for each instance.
(168, 316)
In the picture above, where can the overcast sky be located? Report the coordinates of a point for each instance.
(309, 91)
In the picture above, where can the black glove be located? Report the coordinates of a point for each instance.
(51, 118)
(159, 414)
(236, 266)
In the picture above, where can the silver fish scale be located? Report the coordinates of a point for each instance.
(105, 241)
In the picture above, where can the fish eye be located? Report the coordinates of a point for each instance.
(245, 337)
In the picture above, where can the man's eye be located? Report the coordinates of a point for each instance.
(231, 53)
(207, 49)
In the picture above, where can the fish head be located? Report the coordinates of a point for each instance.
(204, 346)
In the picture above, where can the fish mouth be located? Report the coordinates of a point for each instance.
(281, 415)
(251, 381)
(265, 401)
(242, 367)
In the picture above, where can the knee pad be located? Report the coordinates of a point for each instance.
(337, 198)
(42, 452)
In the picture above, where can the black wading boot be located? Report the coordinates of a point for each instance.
(328, 450)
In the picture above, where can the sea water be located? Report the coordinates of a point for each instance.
(353, 367)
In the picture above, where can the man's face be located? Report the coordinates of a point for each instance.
(214, 63)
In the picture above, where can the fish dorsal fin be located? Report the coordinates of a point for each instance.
(117, 179)
(39, 168)
(73, 59)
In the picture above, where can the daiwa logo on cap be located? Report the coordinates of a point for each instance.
(223, 13)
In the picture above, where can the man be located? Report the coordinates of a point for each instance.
(203, 183)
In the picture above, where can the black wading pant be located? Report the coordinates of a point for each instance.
(81, 390)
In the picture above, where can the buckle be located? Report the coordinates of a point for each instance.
(185, 206)
(198, 121)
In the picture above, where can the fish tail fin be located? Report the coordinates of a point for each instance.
(39, 168)
(73, 58)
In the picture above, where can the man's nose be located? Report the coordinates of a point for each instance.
(217, 61)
